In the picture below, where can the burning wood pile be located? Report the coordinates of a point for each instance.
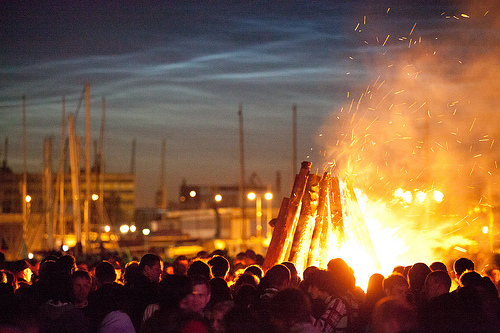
(311, 219)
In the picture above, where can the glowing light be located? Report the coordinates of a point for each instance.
(133, 228)
(420, 196)
(268, 196)
(124, 228)
(407, 197)
(146, 231)
(219, 244)
(65, 248)
(192, 194)
(107, 228)
(399, 193)
(438, 196)
(30, 255)
(251, 196)
(28, 198)
(485, 230)
(95, 197)
(218, 198)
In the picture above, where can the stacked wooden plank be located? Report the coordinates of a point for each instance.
(308, 220)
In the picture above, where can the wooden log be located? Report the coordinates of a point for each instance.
(313, 258)
(278, 225)
(278, 251)
(326, 230)
(305, 225)
(337, 217)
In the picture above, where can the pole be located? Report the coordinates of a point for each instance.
(25, 179)
(294, 140)
(86, 212)
(47, 191)
(62, 203)
(245, 232)
(75, 177)
(101, 167)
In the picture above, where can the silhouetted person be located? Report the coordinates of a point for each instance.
(143, 290)
(291, 312)
(391, 316)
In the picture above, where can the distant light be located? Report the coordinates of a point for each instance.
(477, 209)
(146, 231)
(65, 248)
(95, 197)
(251, 196)
(192, 194)
(133, 228)
(218, 198)
(268, 196)
(420, 196)
(30, 255)
(28, 198)
(438, 196)
(399, 193)
(107, 228)
(219, 244)
(124, 228)
(407, 197)
(182, 198)
(485, 230)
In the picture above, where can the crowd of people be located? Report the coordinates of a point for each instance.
(214, 293)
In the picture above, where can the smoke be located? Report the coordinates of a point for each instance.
(426, 119)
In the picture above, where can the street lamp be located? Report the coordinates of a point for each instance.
(258, 211)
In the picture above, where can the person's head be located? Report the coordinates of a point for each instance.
(219, 266)
(390, 315)
(105, 273)
(461, 265)
(278, 277)
(201, 293)
(343, 273)
(175, 291)
(81, 286)
(132, 270)
(199, 267)
(416, 277)
(288, 307)
(470, 278)
(244, 279)
(321, 285)
(438, 266)
(218, 312)
(151, 267)
(22, 270)
(294, 277)
(181, 264)
(255, 270)
(66, 264)
(437, 283)
(396, 285)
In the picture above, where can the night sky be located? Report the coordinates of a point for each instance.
(177, 70)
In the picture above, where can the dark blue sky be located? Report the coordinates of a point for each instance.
(177, 70)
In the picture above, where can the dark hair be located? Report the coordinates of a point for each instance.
(291, 306)
(255, 270)
(438, 266)
(394, 280)
(461, 265)
(276, 276)
(149, 260)
(80, 274)
(324, 281)
(105, 272)
(198, 267)
(219, 266)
